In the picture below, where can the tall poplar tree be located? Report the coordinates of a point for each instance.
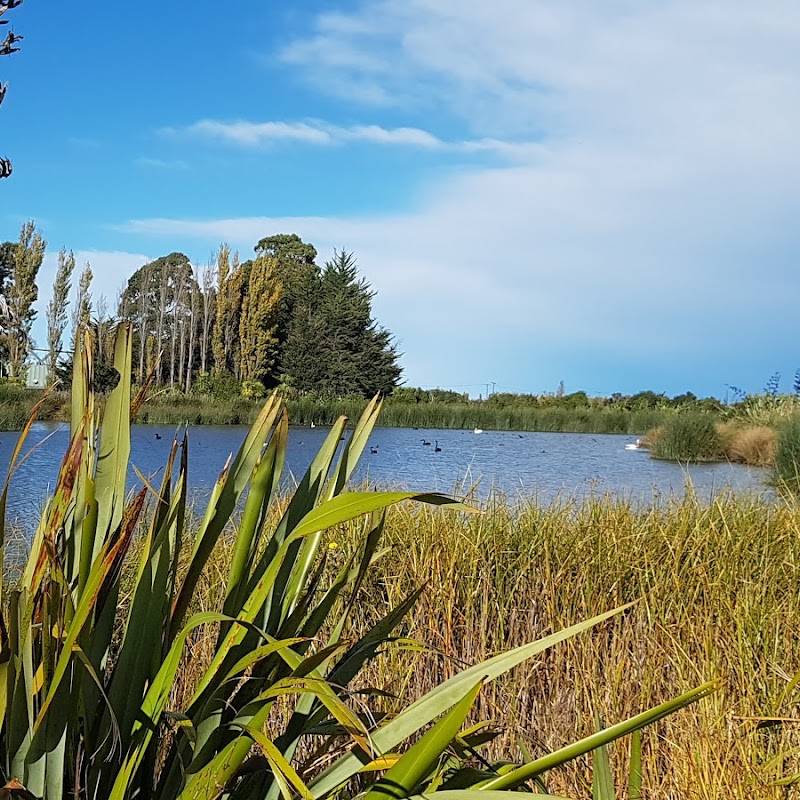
(258, 323)
(57, 310)
(82, 312)
(222, 269)
(22, 294)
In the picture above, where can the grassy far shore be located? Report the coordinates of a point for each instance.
(177, 408)
(747, 433)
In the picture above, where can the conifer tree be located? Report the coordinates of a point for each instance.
(57, 310)
(334, 346)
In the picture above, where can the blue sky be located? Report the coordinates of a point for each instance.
(599, 193)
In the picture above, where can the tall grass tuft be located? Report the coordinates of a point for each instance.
(786, 471)
(688, 437)
(752, 444)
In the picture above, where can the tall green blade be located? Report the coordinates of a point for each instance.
(115, 445)
(417, 762)
(635, 768)
(232, 484)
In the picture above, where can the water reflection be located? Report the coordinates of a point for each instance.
(541, 465)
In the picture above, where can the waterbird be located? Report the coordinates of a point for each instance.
(157, 435)
(425, 442)
(437, 449)
(478, 430)
(373, 450)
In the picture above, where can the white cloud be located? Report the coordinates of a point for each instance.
(649, 216)
(254, 134)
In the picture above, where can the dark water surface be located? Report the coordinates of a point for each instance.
(541, 465)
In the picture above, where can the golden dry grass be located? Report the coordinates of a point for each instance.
(756, 445)
(717, 590)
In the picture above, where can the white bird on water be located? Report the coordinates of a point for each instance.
(478, 430)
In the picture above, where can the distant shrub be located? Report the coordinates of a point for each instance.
(688, 437)
(253, 390)
(220, 387)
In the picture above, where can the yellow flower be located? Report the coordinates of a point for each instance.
(332, 545)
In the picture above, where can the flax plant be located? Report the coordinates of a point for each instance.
(89, 655)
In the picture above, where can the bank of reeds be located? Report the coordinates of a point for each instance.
(16, 403)
(688, 437)
(718, 596)
(177, 409)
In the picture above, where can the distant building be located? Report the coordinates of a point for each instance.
(36, 376)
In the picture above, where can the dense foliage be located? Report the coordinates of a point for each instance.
(276, 319)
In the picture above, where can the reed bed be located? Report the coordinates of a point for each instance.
(177, 409)
(718, 596)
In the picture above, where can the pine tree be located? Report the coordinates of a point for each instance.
(22, 294)
(334, 346)
(57, 309)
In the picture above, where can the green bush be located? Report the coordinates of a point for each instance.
(688, 437)
(253, 390)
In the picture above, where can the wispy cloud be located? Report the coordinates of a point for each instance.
(159, 163)
(245, 133)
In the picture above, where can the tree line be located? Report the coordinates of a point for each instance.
(277, 319)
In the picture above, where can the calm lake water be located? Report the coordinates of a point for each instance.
(547, 466)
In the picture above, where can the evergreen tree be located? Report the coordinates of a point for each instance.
(22, 294)
(8, 257)
(57, 310)
(334, 346)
